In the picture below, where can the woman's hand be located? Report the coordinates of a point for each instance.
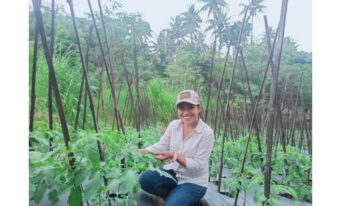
(164, 155)
(142, 151)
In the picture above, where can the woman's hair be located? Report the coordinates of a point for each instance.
(200, 113)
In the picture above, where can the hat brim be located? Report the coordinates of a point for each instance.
(187, 101)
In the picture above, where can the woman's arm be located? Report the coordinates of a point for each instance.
(171, 155)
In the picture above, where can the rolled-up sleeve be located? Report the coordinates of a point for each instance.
(197, 164)
(163, 144)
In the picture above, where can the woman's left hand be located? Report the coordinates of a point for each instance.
(163, 155)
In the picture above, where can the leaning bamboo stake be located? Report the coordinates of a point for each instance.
(85, 72)
(255, 110)
(305, 122)
(228, 102)
(111, 64)
(127, 79)
(33, 84)
(210, 78)
(111, 81)
(219, 86)
(292, 132)
(136, 84)
(267, 171)
(256, 126)
(40, 24)
(50, 86)
(100, 96)
(82, 83)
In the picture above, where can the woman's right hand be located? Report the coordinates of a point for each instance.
(142, 151)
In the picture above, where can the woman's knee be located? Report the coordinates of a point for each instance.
(146, 180)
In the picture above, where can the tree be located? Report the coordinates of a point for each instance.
(191, 21)
(255, 7)
(213, 6)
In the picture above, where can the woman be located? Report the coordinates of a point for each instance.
(188, 143)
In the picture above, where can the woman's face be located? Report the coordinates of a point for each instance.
(188, 113)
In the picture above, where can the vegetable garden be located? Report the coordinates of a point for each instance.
(100, 89)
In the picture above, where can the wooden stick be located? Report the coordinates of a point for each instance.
(293, 143)
(210, 78)
(228, 102)
(111, 81)
(267, 170)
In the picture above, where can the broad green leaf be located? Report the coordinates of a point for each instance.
(75, 197)
(32, 188)
(128, 181)
(91, 189)
(80, 176)
(53, 196)
(93, 155)
(35, 157)
(39, 192)
(113, 184)
(114, 173)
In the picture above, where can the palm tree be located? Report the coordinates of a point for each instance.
(255, 7)
(176, 31)
(219, 27)
(143, 31)
(213, 6)
(191, 20)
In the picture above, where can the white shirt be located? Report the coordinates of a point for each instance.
(196, 148)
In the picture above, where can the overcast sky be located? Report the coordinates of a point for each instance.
(159, 12)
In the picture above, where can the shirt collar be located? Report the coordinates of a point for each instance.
(198, 129)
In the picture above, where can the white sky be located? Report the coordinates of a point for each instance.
(159, 12)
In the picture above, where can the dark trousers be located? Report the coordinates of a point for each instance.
(185, 194)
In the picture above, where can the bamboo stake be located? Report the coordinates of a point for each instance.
(127, 79)
(267, 170)
(293, 143)
(111, 81)
(305, 122)
(84, 108)
(228, 101)
(85, 72)
(33, 84)
(50, 86)
(219, 86)
(100, 96)
(255, 110)
(256, 126)
(81, 88)
(40, 24)
(136, 84)
(210, 78)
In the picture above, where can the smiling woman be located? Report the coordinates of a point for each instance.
(187, 143)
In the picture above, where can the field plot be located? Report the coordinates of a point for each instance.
(102, 87)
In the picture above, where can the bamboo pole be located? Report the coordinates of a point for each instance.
(267, 170)
(136, 84)
(221, 80)
(33, 84)
(292, 132)
(49, 83)
(255, 110)
(256, 126)
(125, 71)
(210, 78)
(228, 101)
(85, 72)
(305, 123)
(111, 81)
(81, 88)
(40, 24)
